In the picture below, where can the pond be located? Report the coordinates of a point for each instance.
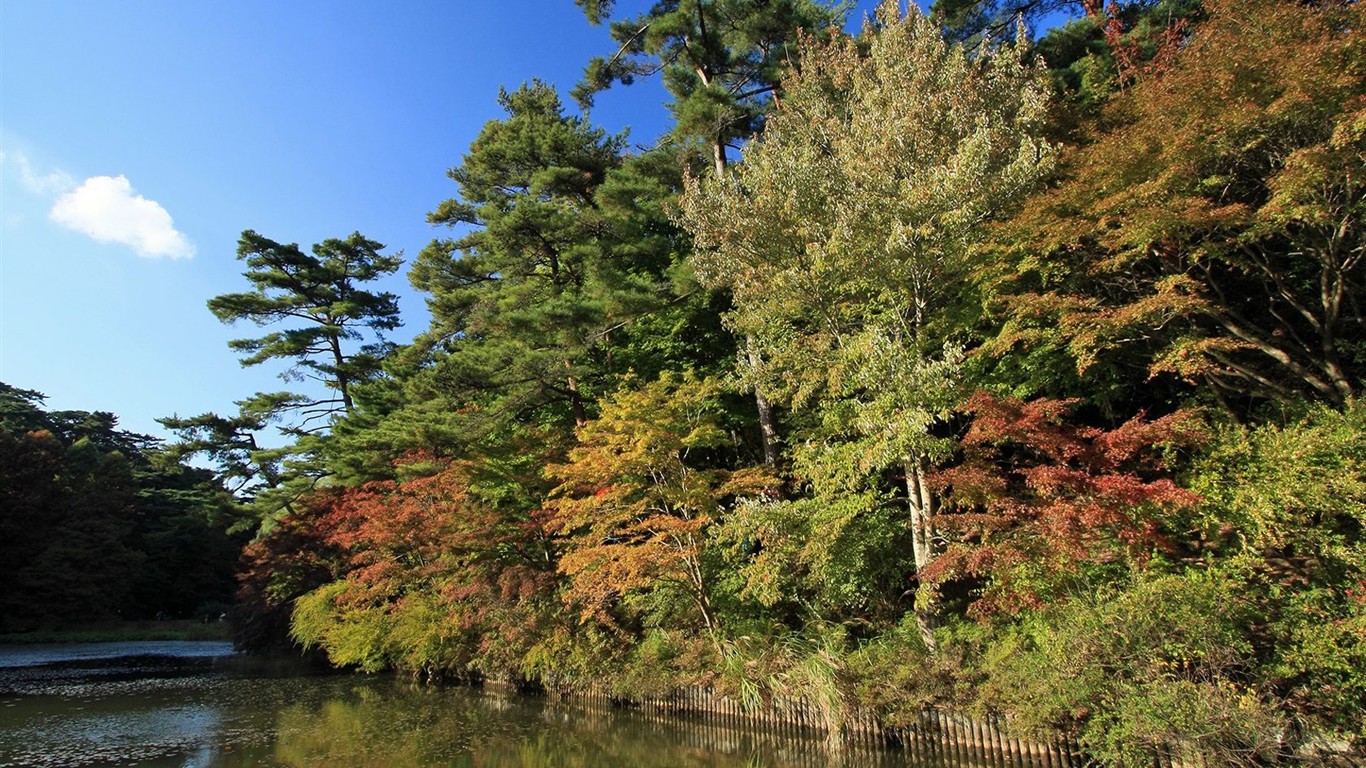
(194, 705)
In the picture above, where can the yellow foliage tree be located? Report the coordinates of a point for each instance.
(637, 496)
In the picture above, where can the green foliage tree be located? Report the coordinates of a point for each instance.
(1285, 508)
(267, 480)
(525, 302)
(844, 234)
(969, 19)
(21, 410)
(721, 60)
(183, 524)
(230, 443)
(85, 568)
(327, 308)
(1157, 666)
(97, 524)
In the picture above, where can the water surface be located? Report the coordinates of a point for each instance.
(193, 705)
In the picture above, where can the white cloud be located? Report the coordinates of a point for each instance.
(52, 183)
(108, 209)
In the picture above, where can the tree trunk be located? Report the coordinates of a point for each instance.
(575, 399)
(1332, 290)
(768, 428)
(343, 381)
(920, 501)
(768, 425)
(718, 156)
(699, 589)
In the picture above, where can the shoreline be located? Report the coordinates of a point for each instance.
(124, 631)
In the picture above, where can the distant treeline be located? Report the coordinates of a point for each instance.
(97, 524)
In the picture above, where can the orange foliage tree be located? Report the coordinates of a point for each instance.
(452, 578)
(1211, 225)
(640, 491)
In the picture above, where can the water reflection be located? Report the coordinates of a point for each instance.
(202, 713)
(417, 728)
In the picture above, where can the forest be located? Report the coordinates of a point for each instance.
(98, 524)
(944, 364)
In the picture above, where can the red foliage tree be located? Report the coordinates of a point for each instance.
(439, 536)
(293, 558)
(1035, 497)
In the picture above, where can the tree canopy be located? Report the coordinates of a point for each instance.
(721, 60)
(326, 292)
(1060, 329)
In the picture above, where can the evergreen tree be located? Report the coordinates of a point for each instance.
(325, 292)
(97, 523)
(525, 303)
(971, 19)
(326, 306)
(264, 477)
(722, 61)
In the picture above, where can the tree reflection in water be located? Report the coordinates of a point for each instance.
(424, 727)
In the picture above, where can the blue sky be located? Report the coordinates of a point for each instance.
(140, 139)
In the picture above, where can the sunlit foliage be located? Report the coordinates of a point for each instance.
(636, 499)
(1210, 229)
(1063, 336)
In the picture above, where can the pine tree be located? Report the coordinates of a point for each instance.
(524, 302)
(722, 61)
(325, 292)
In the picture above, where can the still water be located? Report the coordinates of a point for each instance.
(194, 705)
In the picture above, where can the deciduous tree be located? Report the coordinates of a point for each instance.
(1034, 498)
(844, 233)
(1211, 228)
(637, 497)
(445, 574)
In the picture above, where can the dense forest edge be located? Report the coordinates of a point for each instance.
(945, 364)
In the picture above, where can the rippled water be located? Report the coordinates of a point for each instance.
(191, 705)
